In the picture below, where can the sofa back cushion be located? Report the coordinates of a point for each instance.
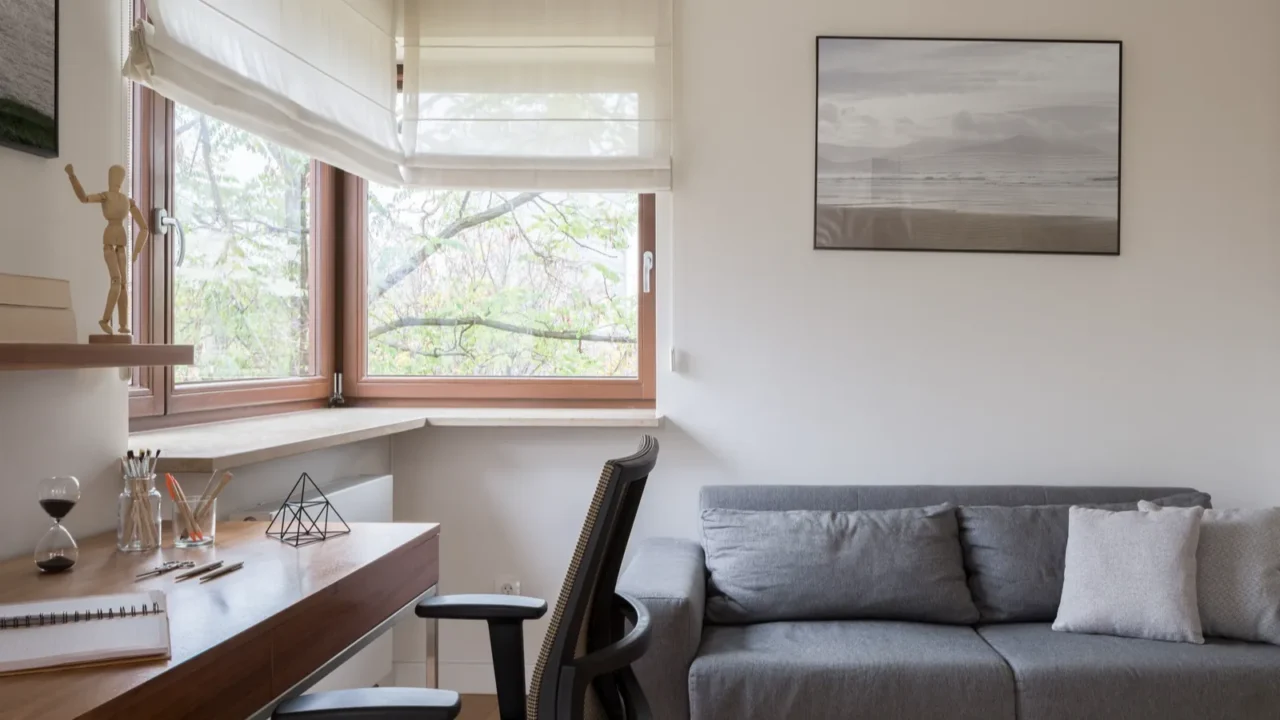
(902, 564)
(1015, 556)
(1030, 547)
(886, 497)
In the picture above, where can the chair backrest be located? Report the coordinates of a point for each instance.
(585, 616)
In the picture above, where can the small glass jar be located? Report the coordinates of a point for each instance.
(194, 521)
(138, 522)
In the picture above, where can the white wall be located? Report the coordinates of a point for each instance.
(65, 422)
(1158, 366)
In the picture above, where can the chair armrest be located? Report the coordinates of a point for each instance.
(506, 615)
(381, 703)
(482, 607)
(668, 576)
(625, 651)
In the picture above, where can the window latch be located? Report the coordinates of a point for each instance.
(161, 220)
(336, 399)
(648, 269)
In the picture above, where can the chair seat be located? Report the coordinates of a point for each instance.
(1065, 676)
(372, 704)
(852, 670)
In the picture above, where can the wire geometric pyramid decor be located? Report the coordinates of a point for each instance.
(304, 521)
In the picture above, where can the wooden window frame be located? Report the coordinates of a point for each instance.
(339, 311)
(155, 399)
(362, 389)
(146, 394)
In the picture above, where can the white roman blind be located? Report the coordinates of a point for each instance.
(315, 75)
(537, 94)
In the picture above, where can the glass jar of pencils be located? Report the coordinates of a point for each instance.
(195, 520)
(138, 523)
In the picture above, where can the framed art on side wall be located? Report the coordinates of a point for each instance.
(968, 145)
(29, 76)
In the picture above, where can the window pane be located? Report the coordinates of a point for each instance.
(241, 293)
(502, 284)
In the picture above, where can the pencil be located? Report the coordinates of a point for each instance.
(206, 502)
(180, 502)
(196, 523)
(196, 526)
(209, 485)
(204, 494)
(197, 571)
(222, 571)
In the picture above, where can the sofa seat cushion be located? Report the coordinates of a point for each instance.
(1065, 676)
(848, 670)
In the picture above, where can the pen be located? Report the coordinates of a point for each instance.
(222, 571)
(197, 571)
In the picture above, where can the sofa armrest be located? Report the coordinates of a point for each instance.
(669, 577)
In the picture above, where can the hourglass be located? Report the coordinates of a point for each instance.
(57, 550)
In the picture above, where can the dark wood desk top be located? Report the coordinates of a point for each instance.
(238, 641)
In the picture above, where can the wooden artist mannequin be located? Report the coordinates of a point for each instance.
(116, 206)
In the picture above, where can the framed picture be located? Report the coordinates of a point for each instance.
(29, 76)
(968, 145)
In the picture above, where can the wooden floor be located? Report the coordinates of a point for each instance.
(479, 707)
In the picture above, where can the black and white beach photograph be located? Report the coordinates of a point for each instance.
(968, 145)
(29, 75)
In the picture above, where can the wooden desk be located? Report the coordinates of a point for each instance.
(241, 642)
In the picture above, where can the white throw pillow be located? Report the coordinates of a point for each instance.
(1132, 574)
(1238, 573)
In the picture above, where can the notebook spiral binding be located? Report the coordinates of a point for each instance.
(67, 618)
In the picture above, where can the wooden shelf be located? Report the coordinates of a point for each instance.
(65, 356)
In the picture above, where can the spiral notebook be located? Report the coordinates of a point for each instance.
(86, 630)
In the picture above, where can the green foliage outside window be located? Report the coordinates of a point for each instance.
(242, 291)
(502, 284)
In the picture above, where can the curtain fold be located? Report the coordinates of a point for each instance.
(315, 75)
(496, 94)
(558, 94)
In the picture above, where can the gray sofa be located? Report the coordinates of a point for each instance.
(894, 670)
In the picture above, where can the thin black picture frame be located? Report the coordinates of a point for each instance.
(57, 93)
(1119, 141)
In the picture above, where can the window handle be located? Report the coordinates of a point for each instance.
(162, 221)
(648, 269)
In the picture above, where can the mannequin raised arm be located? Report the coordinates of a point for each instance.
(75, 185)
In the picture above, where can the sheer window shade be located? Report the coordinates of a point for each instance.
(497, 94)
(557, 94)
(315, 75)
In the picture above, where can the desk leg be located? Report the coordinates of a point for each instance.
(433, 647)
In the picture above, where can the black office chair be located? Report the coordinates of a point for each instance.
(584, 669)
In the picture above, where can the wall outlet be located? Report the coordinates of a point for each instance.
(506, 585)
